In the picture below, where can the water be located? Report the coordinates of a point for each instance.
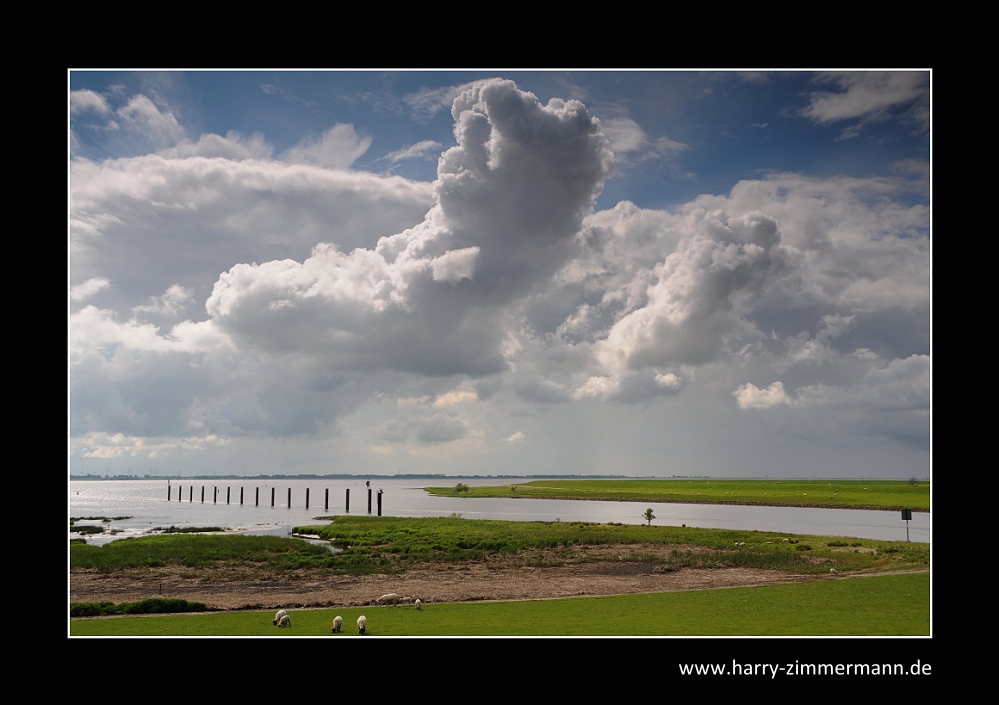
(145, 502)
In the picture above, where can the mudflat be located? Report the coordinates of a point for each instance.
(503, 579)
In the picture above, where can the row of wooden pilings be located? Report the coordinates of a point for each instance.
(228, 494)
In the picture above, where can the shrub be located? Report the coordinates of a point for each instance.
(156, 605)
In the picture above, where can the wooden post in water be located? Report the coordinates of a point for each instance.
(228, 491)
(258, 498)
(346, 507)
(180, 493)
(289, 498)
(241, 496)
(191, 498)
(379, 502)
(369, 500)
(202, 494)
(272, 496)
(306, 497)
(168, 491)
(327, 499)
(215, 492)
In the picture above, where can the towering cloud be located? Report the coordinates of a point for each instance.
(511, 196)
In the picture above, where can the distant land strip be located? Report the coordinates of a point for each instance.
(883, 495)
(659, 500)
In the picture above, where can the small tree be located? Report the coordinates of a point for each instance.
(649, 516)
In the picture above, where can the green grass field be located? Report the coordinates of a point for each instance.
(875, 494)
(891, 605)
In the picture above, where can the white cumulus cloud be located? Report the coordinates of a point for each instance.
(749, 396)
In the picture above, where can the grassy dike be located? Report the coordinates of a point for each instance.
(889, 605)
(840, 494)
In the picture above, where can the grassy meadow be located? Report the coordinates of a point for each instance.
(845, 494)
(892, 605)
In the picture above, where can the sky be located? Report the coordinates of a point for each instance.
(721, 274)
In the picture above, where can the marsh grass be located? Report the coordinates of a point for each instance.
(393, 544)
(200, 551)
(86, 529)
(380, 543)
(874, 494)
(191, 529)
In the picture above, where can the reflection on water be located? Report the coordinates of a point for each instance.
(145, 502)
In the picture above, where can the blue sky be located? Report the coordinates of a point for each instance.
(643, 273)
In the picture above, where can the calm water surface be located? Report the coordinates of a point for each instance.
(145, 502)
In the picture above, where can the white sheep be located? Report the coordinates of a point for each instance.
(279, 615)
(419, 605)
(362, 624)
(833, 571)
(285, 621)
(390, 597)
(337, 624)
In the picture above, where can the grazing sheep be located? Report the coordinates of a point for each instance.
(285, 621)
(279, 615)
(390, 597)
(362, 624)
(833, 571)
(419, 605)
(337, 623)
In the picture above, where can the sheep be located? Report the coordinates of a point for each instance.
(833, 571)
(419, 605)
(279, 615)
(285, 621)
(362, 624)
(390, 597)
(337, 623)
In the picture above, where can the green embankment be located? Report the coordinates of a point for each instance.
(845, 494)
(883, 605)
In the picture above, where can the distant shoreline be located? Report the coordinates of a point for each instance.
(647, 500)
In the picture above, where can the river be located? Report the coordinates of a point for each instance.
(145, 503)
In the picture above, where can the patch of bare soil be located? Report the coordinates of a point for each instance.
(604, 570)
